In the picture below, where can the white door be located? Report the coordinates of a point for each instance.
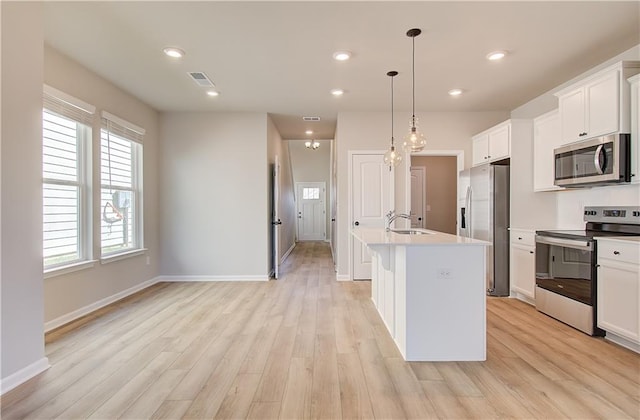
(275, 218)
(371, 194)
(311, 211)
(418, 196)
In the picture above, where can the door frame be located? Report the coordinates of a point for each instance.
(459, 154)
(312, 184)
(391, 204)
(423, 170)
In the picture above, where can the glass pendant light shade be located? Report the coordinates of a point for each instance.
(392, 157)
(414, 140)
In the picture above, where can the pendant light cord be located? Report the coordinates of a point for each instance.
(413, 78)
(392, 111)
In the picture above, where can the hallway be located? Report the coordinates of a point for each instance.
(306, 346)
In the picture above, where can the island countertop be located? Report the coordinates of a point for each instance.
(380, 236)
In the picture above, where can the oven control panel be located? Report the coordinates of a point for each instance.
(623, 214)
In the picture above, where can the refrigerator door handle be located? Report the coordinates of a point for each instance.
(469, 212)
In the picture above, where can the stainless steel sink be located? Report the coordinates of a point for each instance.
(411, 232)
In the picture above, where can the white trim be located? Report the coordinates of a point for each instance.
(343, 277)
(212, 278)
(68, 99)
(70, 268)
(124, 123)
(23, 375)
(72, 316)
(286, 254)
(621, 341)
(122, 255)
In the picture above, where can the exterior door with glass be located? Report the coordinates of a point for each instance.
(311, 211)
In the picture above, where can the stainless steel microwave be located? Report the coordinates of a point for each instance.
(601, 160)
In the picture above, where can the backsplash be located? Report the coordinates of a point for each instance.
(570, 203)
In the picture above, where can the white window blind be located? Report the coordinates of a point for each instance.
(121, 182)
(65, 144)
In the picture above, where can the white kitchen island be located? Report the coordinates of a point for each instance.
(430, 292)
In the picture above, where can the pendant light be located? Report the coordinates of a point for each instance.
(414, 140)
(392, 157)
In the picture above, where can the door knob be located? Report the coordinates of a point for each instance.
(357, 223)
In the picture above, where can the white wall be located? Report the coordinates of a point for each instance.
(371, 131)
(22, 328)
(313, 166)
(563, 208)
(69, 293)
(214, 197)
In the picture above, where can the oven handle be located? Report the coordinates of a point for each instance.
(569, 243)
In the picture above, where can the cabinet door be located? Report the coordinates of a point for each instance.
(546, 132)
(603, 104)
(572, 115)
(635, 130)
(523, 272)
(619, 299)
(480, 149)
(499, 143)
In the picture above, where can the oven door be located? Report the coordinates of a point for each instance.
(566, 267)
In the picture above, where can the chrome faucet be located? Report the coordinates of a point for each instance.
(391, 216)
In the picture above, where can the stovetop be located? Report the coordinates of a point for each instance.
(583, 234)
(602, 221)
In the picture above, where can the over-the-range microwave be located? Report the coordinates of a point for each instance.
(597, 161)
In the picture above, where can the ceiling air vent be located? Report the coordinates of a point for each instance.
(201, 79)
(311, 118)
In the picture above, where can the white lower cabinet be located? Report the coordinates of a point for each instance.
(618, 307)
(522, 267)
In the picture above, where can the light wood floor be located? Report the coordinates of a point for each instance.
(307, 346)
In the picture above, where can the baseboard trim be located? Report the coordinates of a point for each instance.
(343, 277)
(621, 341)
(212, 278)
(286, 254)
(85, 310)
(23, 375)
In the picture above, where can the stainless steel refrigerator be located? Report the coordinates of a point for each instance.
(487, 219)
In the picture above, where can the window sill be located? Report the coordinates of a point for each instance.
(66, 269)
(122, 256)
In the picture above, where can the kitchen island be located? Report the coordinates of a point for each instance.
(429, 288)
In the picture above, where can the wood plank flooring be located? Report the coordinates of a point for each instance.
(306, 346)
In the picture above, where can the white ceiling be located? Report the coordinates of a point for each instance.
(276, 57)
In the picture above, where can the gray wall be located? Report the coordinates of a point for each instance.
(441, 186)
(313, 166)
(68, 293)
(22, 336)
(214, 199)
(371, 131)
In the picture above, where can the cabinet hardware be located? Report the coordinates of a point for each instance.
(616, 252)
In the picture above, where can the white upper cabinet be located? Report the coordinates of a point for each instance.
(546, 137)
(635, 128)
(492, 144)
(597, 105)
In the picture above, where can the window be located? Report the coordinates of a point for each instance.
(310, 193)
(121, 186)
(66, 141)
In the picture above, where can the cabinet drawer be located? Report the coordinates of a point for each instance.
(523, 238)
(619, 251)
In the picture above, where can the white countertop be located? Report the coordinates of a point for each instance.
(379, 236)
(635, 239)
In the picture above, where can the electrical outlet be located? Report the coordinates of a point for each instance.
(444, 273)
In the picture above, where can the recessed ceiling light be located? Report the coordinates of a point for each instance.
(496, 55)
(213, 93)
(308, 132)
(455, 92)
(341, 55)
(174, 52)
(337, 92)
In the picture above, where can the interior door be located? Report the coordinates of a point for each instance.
(311, 211)
(418, 196)
(275, 218)
(371, 195)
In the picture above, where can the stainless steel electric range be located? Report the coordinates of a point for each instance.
(566, 265)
